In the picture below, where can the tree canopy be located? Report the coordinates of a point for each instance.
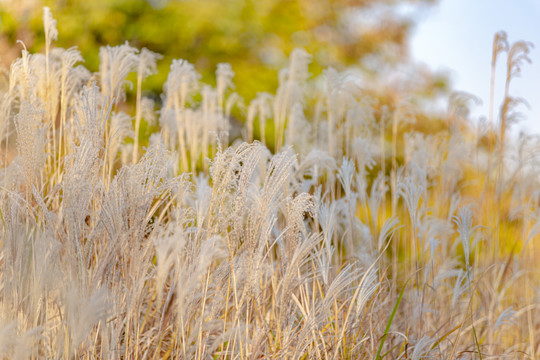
(254, 36)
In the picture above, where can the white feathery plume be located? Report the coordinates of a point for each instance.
(181, 82)
(224, 76)
(31, 141)
(261, 106)
(49, 23)
(120, 129)
(83, 312)
(147, 65)
(466, 231)
(289, 92)
(298, 129)
(115, 64)
(147, 111)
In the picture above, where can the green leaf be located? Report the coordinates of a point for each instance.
(378, 357)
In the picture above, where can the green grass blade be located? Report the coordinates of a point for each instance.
(476, 342)
(378, 357)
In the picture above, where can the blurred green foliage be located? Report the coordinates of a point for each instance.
(254, 36)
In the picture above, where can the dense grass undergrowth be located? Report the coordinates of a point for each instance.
(354, 238)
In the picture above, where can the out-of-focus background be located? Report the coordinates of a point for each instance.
(424, 48)
(456, 36)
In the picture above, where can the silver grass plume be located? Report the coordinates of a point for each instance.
(120, 129)
(466, 231)
(31, 141)
(224, 76)
(49, 24)
(115, 64)
(147, 65)
(290, 91)
(261, 106)
(91, 116)
(181, 82)
(340, 93)
(298, 129)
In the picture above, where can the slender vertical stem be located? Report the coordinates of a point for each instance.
(383, 163)
(137, 119)
(393, 175)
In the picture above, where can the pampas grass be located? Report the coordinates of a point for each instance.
(201, 246)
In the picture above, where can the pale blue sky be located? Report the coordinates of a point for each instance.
(457, 36)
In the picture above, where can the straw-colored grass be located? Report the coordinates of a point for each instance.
(190, 244)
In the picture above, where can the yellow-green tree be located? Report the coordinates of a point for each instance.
(254, 36)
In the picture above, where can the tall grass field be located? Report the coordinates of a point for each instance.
(312, 223)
